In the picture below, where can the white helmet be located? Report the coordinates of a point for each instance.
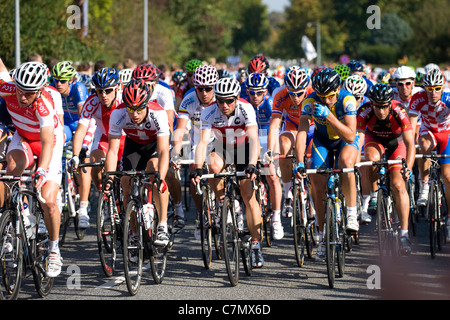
(356, 85)
(434, 77)
(125, 75)
(31, 76)
(227, 87)
(404, 72)
(431, 66)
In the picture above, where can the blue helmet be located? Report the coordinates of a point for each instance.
(257, 81)
(106, 77)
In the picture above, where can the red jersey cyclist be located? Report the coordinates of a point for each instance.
(384, 128)
(39, 132)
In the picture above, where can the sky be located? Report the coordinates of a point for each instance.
(276, 5)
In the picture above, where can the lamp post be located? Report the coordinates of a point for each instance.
(17, 32)
(145, 30)
(318, 46)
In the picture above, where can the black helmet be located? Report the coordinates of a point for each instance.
(355, 65)
(326, 81)
(381, 93)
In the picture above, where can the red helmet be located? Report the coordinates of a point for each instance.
(258, 64)
(136, 93)
(146, 72)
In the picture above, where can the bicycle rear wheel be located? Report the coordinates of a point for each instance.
(230, 241)
(330, 241)
(106, 235)
(40, 252)
(133, 252)
(206, 229)
(384, 227)
(11, 257)
(299, 228)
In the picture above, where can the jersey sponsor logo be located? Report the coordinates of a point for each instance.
(8, 87)
(42, 109)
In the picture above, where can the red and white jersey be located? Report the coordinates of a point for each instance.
(29, 121)
(405, 103)
(155, 124)
(435, 118)
(93, 109)
(232, 130)
(57, 100)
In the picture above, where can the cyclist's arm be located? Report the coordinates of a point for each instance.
(300, 141)
(200, 151)
(171, 117)
(47, 139)
(163, 155)
(178, 135)
(78, 137)
(252, 134)
(413, 118)
(362, 136)
(408, 139)
(2, 66)
(112, 154)
(274, 126)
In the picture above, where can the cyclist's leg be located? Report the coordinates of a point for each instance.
(427, 143)
(373, 151)
(216, 164)
(287, 143)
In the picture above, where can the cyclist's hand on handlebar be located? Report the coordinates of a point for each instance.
(300, 170)
(251, 171)
(108, 185)
(268, 157)
(406, 174)
(175, 161)
(74, 162)
(39, 178)
(195, 176)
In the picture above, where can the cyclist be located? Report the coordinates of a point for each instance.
(343, 70)
(233, 122)
(191, 65)
(432, 104)
(259, 64)
(98, 107)
(287, 104)
(262, 103)
(163, 96)
(147, 130)
(384, 128)
(39, 132)
(204, 79)
(358, 69)
(335, 144)
(74, 95)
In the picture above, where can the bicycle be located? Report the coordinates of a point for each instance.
(387, 219)
(436, 206)
(23, 246)
(262, 194)
(336, 238)
(235, 237)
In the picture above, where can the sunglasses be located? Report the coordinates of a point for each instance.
(382, 106)
(331, 95)
(206, 89)
(256, 93)
(436, 88)
(106, 91)
(407, 83)
(138, 110)
(359, 97)
(296, 94)
(227, 101)
(25, 93)
(59, 80)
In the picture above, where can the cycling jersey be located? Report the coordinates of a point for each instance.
(163, 96)
(386, 130)
(273, 84)
(191, 109)
(264, 113)
(345, 105)
(155, 124)
(283, 106)
(230, 131)
(435, 118)
(75, 100)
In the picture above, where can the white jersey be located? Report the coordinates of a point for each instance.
(232, 130)
(191, 109)
(162, 96)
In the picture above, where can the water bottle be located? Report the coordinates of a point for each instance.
(239, 215)
(30, 221)
(148, 215)
(338, 209)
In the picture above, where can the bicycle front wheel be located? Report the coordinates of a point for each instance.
(40, 252)
(206, 229)
(433, 207)
(330, 241)
(133, 252)
(384, 227)
(299, 228)
(230, 241)
(106, 235)
(11, 257)
(158, 255)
